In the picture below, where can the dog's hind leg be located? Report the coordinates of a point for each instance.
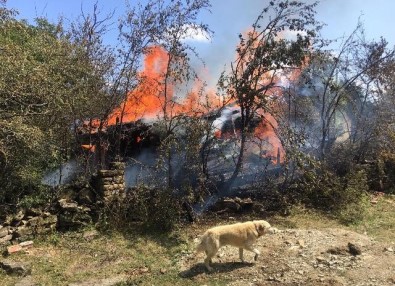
(211, 250)
(208, 260)
(241, 254)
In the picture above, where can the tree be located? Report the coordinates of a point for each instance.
(335, 81)
(45, 85)
(262, 55)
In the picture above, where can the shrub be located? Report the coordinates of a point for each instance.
(154, 208)
(343, 197)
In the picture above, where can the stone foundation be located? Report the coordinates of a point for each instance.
(111, 182)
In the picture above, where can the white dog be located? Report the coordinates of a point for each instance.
(242, 235)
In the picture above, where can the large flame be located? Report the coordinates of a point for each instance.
(152, 98)
(147, 99)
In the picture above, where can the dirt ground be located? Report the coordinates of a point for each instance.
(301, 257)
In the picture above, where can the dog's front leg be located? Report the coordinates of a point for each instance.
(241, 254)
(256, 251)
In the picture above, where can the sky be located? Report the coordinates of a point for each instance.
(230, 17)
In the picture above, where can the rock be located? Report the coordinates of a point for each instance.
(301, 243)
(72, 216)
(5, 239)
(233, 205)
(110, 173)
(14, 248)
(34, 221)
(68, 205)
(338, 250)
(26, 244)
(4, 231)
(389, 249)
(73, 220)
(23, 233)
(86, 197)
(49, 221)
(14, 268)
(33, 212)
(354, 249)
(89, 235)
(117, 165)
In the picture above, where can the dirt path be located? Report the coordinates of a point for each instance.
(302, 257)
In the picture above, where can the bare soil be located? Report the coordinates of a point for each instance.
(301, 257)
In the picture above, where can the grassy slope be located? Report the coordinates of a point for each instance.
(148, 259)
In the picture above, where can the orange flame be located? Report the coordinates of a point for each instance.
(265, 133)
(147, 99)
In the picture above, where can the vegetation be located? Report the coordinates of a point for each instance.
(331, 110)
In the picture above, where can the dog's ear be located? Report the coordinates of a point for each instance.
(260, 228)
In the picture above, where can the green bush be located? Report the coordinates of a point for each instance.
(343, 197)
(157, 208)
(40, 197)
(154, 208)
(388, 168)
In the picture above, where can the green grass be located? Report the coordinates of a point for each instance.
(378, 220)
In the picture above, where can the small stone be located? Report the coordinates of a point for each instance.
(163, 270)
(354, 249)
(14, 248)
(26, 244)
(320, 259)
(90, 235)
(5, 239)
(301, 243)
(389, 249)
(4, 231)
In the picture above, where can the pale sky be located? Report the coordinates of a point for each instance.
(230, 17)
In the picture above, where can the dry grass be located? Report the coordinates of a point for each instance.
(152, 259)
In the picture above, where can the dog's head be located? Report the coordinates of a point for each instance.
(261, 226)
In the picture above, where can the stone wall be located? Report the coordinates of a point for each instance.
(111, 183)
(25, 225)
